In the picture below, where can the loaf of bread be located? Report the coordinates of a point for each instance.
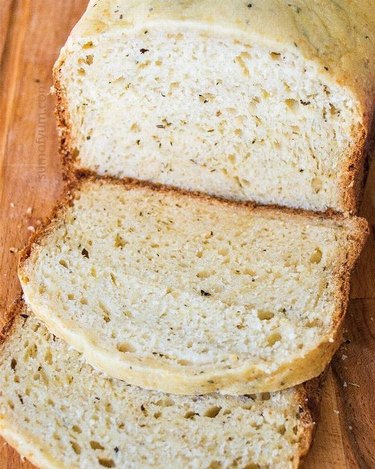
(61, 414)
(266, 101)
(192, 295)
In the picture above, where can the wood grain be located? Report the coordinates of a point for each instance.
(31, 34)
(30, 173)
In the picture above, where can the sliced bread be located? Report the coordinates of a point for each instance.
(265, 101)
(192, 295)
(60, 413)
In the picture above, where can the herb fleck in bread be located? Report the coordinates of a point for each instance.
(60, 413)
(265, 101)
(192, 295)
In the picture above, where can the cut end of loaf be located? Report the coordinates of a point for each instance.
(189, 294)
(59, 412)
(211, 112)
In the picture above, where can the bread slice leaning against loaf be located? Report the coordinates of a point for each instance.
(60, 413)
(265, 101)
(192, 295)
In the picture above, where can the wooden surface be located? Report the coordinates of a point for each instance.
(31, 33)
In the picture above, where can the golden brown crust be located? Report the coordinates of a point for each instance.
(10, 317)
(352, 180)
(309, 397)
(68, 154)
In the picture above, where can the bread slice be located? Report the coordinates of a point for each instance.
(192, 295)
(264, 101)
(60, 413)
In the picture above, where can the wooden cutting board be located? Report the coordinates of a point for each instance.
(31, 34)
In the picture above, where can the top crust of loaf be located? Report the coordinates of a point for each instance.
(338, 36)
(304, 398)
(159, 375)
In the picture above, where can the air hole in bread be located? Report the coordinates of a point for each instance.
(316, 256)
(273, 339)
(316, 184)
(166, 402)
(48, 356)
(281, 430)
(292, 104)
(106, 462)
(190, 414)
(183, 362)
(76, 429)
(105, 312)
(333, 110)
(88, 45)
(275, 55)
(204, 274)
(96, 445)
(215, 465)
(212, 411)
(31, 351)
(120, 241)
(76, 447)
(125, 348)
(313, 323)
(265, 315)
(232, 159)
(113, 279)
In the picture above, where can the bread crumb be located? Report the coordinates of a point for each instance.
(12, 205)
(13, 250)
(344, 357)
(29, 211)
(31, 228)
(355, 385)
(345, 384)
(337, 412)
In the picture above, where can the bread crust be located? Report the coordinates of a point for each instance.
(154, 373)
(307, 398)
(344, 54)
